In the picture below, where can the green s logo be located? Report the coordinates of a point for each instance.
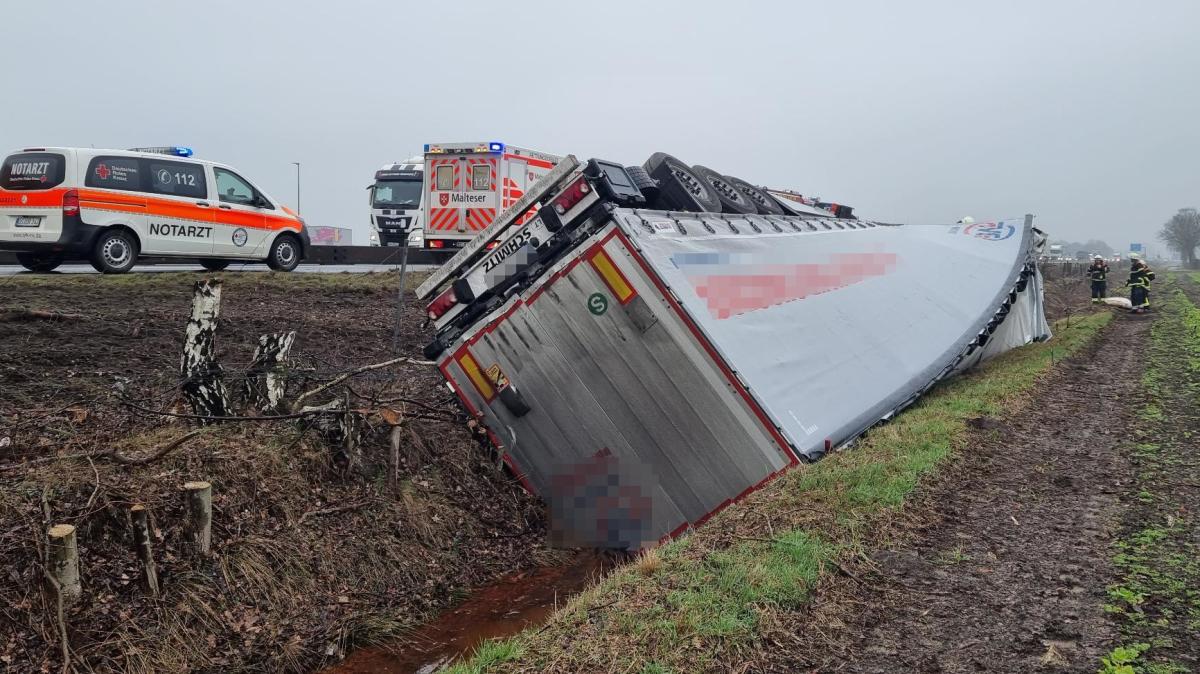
(597, 303)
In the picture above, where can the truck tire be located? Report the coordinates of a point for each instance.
(285, 253)
(115, 252)
(763, 202)
(732, 199)
(679, 188)
(646, 185)
(213, 265)
(40, 262)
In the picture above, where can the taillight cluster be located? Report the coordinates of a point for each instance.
(443, 303)
(70, 203)
(573, 194)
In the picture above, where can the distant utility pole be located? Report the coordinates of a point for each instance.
(297, 185)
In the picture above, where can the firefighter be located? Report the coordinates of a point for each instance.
(1098, 273)
(1140, 276)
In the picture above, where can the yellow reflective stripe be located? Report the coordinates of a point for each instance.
(612, 277)
(481, 383)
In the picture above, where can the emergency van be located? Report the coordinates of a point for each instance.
(111, 207)
(468, 184)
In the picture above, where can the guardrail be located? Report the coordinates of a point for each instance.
(323, 255)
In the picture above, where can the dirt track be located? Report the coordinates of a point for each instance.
(1009, 574)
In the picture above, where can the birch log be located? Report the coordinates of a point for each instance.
(143, 546)
(265, 381)
(63, 557)
(201, 373)
(199, 510)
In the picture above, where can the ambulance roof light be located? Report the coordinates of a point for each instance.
(175, 150)
(496, 147)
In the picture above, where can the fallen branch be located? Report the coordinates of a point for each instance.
(111, 454)
(305, 412)
(330, 511)
(365, 368)
(62, 621)
(14, 315)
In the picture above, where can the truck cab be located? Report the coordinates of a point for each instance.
(397, 211)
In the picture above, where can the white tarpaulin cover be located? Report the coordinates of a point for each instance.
(838, 328)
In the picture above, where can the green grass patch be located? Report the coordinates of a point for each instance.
(718, 590)
(1158, 594)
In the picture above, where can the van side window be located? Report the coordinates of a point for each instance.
(233, 189)
(115, 173)
(177, 179)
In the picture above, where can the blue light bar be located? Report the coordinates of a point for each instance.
(182, 151)
(496, 147)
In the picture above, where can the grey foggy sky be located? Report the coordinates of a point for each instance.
(1084, 113)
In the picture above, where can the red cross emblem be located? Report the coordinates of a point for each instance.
(103, 172)
(444, 199)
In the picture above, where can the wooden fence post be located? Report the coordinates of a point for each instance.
(143, 546)
(199, 509)
(63, 556)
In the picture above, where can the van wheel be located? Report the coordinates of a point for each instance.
(115, 253)
(40, 262)
(285, 253)
(214, 265)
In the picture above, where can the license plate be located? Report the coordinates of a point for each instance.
(29, 221)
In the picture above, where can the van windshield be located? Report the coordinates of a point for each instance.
(32, 171)
(397, 193)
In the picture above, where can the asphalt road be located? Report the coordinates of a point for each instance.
(13, 270)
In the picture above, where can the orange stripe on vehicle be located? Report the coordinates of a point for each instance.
(51, 198)
(469, 366)
(612, 276)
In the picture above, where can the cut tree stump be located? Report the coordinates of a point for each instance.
(201, 373)
(266, 381)
(199, 510)
(63, 557)
(143, 546)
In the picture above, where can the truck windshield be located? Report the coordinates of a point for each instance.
(397, 193)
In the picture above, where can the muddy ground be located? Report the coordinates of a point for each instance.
(1033, 551)
(310, 561)
(310, 558)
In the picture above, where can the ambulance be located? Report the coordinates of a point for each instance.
(468, 184)
(111, 207)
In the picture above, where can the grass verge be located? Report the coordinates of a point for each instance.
(717, 596)
(1156, 601)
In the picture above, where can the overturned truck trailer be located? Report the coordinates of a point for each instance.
(641, 368)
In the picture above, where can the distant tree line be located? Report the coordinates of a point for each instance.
(1093, 246)
(1182, 234)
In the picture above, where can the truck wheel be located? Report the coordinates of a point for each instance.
(40, 262)
(115, 253)
(213, 265)
(765, 203)
(646, 185)
(285, 253)
(732, 199)
(679, 188)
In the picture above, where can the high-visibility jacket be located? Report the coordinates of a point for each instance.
(1099, 273)
(1140, 277)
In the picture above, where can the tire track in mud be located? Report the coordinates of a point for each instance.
(1009, 573)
